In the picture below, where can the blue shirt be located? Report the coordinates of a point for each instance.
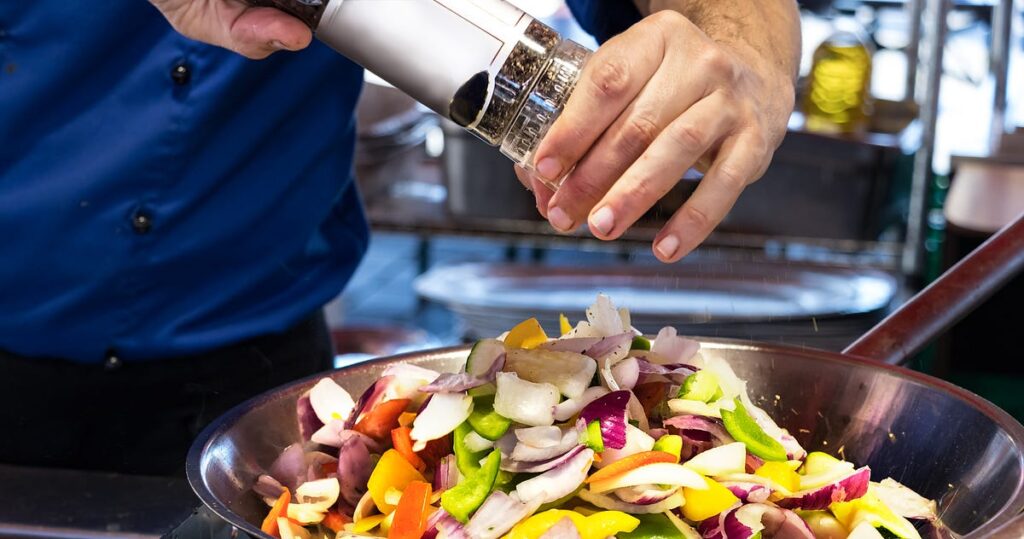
(161, 197)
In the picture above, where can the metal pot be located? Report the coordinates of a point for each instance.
(941, 440)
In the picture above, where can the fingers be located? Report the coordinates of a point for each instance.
(251, 32)
(541, 192)
(258, 32)
(657, 105)
(741, 160)
(653, 175)
(611, 80)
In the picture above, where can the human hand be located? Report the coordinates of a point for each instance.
(253, 32)
(651, 103)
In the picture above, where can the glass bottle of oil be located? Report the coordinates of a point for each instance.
(838, 97)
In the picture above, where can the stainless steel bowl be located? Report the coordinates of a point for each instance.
(943, 441)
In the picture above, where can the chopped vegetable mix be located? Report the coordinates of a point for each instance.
(599, 433)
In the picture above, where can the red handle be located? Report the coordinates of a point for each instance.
(308, 11)
(944, 302)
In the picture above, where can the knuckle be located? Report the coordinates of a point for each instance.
(583, 192)
(690, 138)
(731, 176)
(718, 62)
(611, 78)
(698, 217)
(668, 17)
(638, 133)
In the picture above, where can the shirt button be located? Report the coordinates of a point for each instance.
(142, 222)
(181, 74)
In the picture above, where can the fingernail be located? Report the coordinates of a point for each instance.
(549, 168)
(559, 219)
(668, 246)
(603, 220)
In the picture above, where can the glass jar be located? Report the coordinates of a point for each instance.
(838, 97)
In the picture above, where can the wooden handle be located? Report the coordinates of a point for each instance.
(308, 11)
(944, 302)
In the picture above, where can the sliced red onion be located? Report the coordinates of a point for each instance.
(848, 488)
(431, 531)
(748, 492)
(368, 400)
(446, 474)
(439, 417)
(626, 373)
(315, 461)
(563, 529)
(557, 482)
(614, 504)
(330, 401)
(672, 347)
(610, 411)
(570, 407)
(676, 372)
(498, 514)
(449, 527)
(637, 413)
(354, 467)
(643, 494)
(615, 347)
(753, 463)
(568, 439)
(308, 421)
(794, 451)
(699, 433)
(332, 434)
(748, 520)
(570, 344)
(268, 488)
(458, 382)
(290, 467)
(657, 433)
(521, 466)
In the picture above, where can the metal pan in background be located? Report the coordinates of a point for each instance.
(807, 304)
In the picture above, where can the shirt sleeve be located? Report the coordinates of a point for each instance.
(604, 18)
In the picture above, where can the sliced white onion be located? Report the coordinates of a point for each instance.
(330, 401)
(305, 513)
(557, 482)
(637, 413)
(626, 373)
(525, 402)
(570, 372)
(604, 318)
(684, 528)
(566, 409)
(608, 502)
(568, 439)
(669, 347)
(290, 530)
(721, 460)
(904, 501)
(690, 407)
(321, 494)
(539, 437)
(864, 530)
(636, 441)
(476, 443)
(443, 413)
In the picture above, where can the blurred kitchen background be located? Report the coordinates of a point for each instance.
(861, 207)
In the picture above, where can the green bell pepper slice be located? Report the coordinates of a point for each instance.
(700, 386)
(461, 500)
(594, 439)
(653, 526)
(485, 421)
(640, 343)
(742, 427)
(467, 461)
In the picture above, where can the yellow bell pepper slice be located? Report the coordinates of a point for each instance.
(600, 525)
(564, 327)
(367, 524)
(392, 471)
(781, 473)
(608, 524)
(527, 334)
(704, 504)
(873, 510)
